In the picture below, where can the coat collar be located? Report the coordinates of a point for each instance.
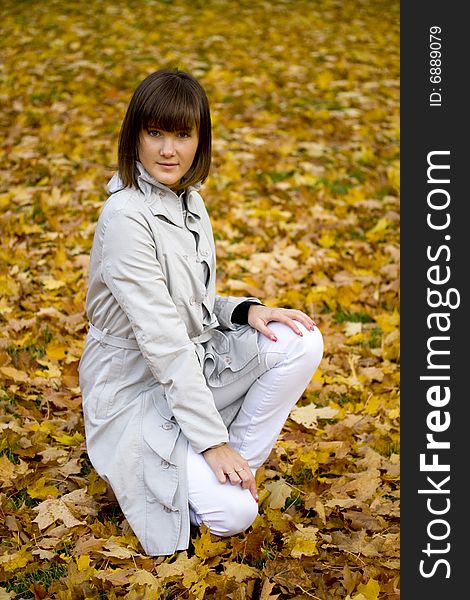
(160, 199)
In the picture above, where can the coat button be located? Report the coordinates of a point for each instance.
(167, 426)
(205, 252)
(165, 464)
(227, 360)
(161, 194)
(167, 509)
(192, 300)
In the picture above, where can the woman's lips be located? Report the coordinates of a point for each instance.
(167, 165)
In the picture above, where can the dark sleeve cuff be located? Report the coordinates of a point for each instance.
(240, 312)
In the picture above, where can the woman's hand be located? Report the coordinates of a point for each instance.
(259, 316)
(226, 462)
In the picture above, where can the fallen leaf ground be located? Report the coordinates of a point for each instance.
(304, 200)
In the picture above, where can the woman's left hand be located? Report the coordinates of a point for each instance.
(259, 316)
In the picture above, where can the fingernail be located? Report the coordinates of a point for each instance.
(300, 333)
(274, 338)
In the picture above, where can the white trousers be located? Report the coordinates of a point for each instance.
(288, 366)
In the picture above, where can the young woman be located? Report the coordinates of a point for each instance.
(184, 391)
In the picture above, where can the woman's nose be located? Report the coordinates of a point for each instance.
(168, 147)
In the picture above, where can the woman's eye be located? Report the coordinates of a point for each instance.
(153, 132)
(183, 134)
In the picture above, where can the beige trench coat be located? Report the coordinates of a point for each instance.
(158, 333)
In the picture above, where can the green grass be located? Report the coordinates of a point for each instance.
(375, 338)
(21, 583)
(352, 317)
(21, 498)
(8, 452)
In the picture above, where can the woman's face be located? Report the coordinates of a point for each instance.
(168, 156)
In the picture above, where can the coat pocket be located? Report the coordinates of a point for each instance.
(229, 352)
(107, 393)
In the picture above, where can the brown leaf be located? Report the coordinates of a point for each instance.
(279, 491)
(54, 510)
(361, 520)
(14, 374)
(114, 549)
(71, 467)
(266, 591)
(240, 572)
(357, 543)
(116, 578)
(9, 472)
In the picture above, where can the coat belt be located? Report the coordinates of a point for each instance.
(103, 337)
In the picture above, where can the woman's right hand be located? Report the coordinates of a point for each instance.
(227, 462)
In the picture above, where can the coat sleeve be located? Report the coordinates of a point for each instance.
(224, 307)
(132, 272)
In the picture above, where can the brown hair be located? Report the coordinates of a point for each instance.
(170, 100)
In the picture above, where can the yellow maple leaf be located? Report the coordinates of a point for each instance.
(393, 175)
(323, 293)
(198, 590)
(181, 565)
(52, 371)
(44, 426)
(318, 376)
(51, 284)
(370, 590)
(239, 571)
(327, 239)
(144, 578)
(114, 549)
(373, 405)
(204, 546)
(55, 350)
(324, 79)
(354, 195)
(278, 520)
(303, 541)
(69, 440)
(28, 228)
(83, 562)
(388, 321)
(96, 485)
(349, 294)
(17, 560)
(378, 231)
(193, 577)
(304, 547)
(41, 491)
